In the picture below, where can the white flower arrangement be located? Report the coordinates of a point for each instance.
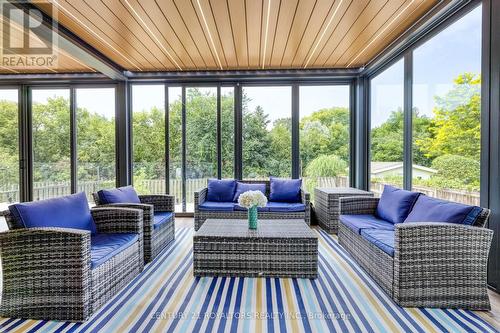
(250, 199)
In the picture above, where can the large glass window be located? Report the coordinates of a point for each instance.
(51, 143)
(267, 132)
(201, 140)
(9, 147)
(387, 124)
(95, 116)
(324, 136)
(447, 112)
(227, 131)
(148, 129)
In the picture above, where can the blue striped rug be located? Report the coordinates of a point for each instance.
(167, 298)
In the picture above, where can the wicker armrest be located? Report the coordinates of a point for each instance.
(441, 261)
(147, 210)
(46, 273)
(160, 202)
(305, 197)
(118, 219)
(200, 197)
(358, 205)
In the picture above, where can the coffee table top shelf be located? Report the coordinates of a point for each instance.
(293, 228)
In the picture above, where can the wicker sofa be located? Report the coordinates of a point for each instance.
(55, 273)
(201, 216)
(159, 221)
(429, 264)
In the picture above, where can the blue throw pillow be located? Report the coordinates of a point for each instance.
(285, 190)
(221, 190)
(71, 211)
(428, 209)
(395, 204)
(125, 194)
(243, 187)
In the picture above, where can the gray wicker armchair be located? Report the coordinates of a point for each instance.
(156, 238)
(47, 272)
(439, 265)
(200, 216)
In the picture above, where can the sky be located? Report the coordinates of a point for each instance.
(437, 62)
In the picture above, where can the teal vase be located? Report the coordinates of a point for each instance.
(252, 217)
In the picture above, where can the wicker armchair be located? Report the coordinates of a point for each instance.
(438, 265)
(47, 272)
(200, 216)
(155, 239)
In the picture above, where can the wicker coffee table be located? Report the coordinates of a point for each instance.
(326, 205)
(278, 248)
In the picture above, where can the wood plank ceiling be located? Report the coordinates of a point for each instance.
(173, 35)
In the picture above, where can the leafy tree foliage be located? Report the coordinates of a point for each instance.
(448, 142)
(387, 139)
(455, 128)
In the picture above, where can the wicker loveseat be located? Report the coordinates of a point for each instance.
(57, 273)
(420, 264)
(267, 213)
(159, 219)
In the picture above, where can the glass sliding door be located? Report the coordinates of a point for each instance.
(267, 132)
(324, 136)
(51, 143)
(387, 125)
(95, 119)
(201, 140)
(148, 132)
(9, 147)
(447, 112)
(227, 132)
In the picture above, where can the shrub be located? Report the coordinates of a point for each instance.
(457, 169)
(326, 166)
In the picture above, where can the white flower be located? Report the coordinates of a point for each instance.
(252, 198)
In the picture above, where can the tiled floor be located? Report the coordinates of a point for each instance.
(492, 316)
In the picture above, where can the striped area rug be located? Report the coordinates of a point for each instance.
(167, 298)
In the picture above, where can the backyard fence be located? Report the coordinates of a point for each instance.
(43, 190)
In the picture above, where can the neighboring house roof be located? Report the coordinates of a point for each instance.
(378, 167)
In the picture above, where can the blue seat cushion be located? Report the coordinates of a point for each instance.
(285, 190)
(285, 207)
(105, 246)
(244, 187)
(259, 209)
(358, 222)
(395, 204)
(217, 206)
(428, 209)
(160, 218)
(221, 190)
(70, 211)
(383, 239)
(126, 194)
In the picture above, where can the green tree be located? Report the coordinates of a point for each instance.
(387, 139)
(279, 162)
(256, 142)
(148, 128)
(455, 128)
(324, 132)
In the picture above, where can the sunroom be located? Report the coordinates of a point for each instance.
(250, 166)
